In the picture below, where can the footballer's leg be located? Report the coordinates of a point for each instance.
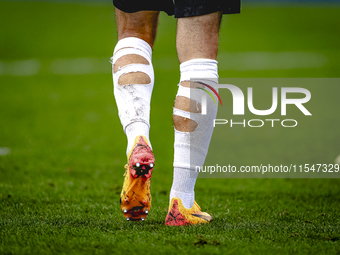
(133, 79)
(197, 46)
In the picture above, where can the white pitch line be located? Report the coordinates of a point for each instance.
(237, 61)
(5, 151)
(80, 66)
(256, 61)
(20, 68)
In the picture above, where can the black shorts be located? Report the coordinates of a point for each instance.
(180, 8)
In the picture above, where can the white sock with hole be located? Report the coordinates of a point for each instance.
(133, 100)
(191, 148)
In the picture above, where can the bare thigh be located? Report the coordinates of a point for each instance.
(142, 24)
(197, 37)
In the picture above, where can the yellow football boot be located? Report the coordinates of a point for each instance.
(178, 215)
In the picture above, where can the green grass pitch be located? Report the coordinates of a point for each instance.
(60, 185)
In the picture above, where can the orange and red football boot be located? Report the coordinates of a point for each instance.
(135, 198)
